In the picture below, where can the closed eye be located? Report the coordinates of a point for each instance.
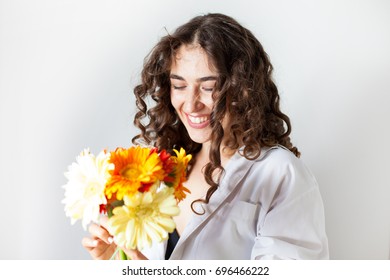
(178, 87)
(210, 89)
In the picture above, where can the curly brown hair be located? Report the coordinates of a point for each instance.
(245, 92)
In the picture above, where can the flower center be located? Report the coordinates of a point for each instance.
(144, 211)
(131, 171)
(91, 189)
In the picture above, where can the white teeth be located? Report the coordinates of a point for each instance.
(198, 120)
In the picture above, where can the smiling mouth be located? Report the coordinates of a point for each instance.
(198, 122)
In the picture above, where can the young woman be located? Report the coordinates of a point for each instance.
(251, 196)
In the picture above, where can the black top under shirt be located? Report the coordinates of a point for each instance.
(172, 241)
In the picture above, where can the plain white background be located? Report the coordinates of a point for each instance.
(67, 70)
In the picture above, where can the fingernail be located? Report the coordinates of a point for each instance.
(94, 243)
(110, 240)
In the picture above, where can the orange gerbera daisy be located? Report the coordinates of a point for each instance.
(181, 161)
(181, 190)
(136, 168)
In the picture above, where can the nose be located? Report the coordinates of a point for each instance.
(192, 102)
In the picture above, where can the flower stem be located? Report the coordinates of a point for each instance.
(122, 255)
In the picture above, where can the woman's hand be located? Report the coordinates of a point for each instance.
(101, 246)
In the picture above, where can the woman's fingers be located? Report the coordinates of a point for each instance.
(101, 244)
(89, 242)
(98, 248)
(100, 232)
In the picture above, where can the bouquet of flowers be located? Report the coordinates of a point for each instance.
(138, 188)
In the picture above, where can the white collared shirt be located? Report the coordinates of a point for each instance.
(268, 208)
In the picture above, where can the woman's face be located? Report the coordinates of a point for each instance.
(192, 85)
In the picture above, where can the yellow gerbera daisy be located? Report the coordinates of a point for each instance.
(135, 168)
(145, 217)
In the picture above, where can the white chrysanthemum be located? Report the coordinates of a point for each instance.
(84, 191)
(144, 218)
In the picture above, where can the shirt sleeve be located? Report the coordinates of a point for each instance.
(293, 231)
(293, 226)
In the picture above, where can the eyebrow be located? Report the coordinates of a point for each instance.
(202, 79)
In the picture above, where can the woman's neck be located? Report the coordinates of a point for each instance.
(203, 155)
